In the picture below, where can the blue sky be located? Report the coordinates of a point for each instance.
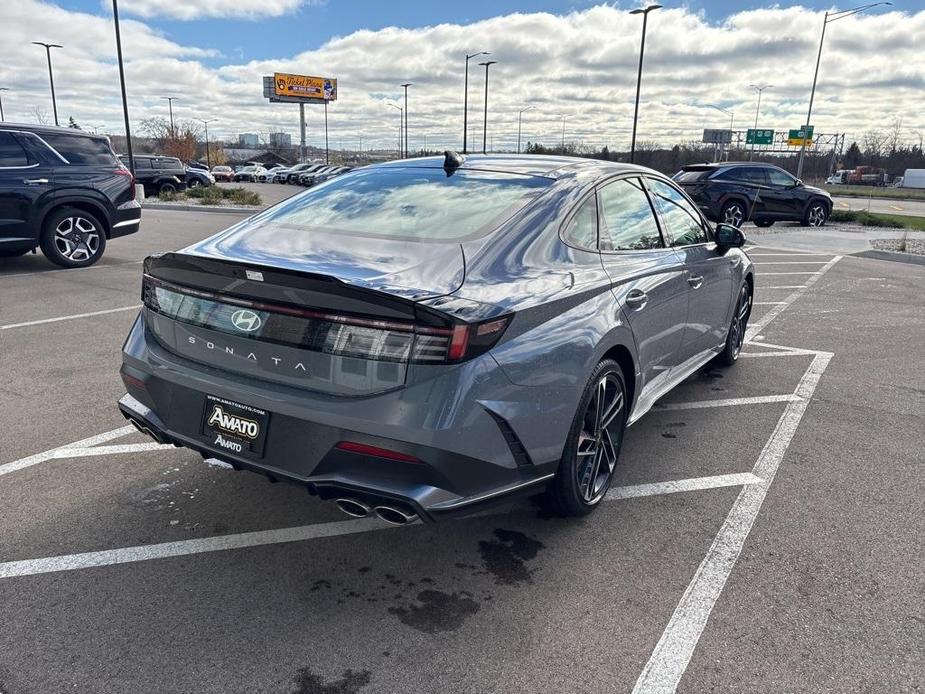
(313, 24)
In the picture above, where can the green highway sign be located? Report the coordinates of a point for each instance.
(759, 137)
(795, 137)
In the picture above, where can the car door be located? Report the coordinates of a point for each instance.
(24, 183)
(707, 274)
(783, 199)
(647, 278)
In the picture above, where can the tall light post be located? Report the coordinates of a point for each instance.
(731, 121)
(564, 117)
(51, 79)
(406, 85)
(829, 17)
(401, 120)
(466, 98)
(128, 130)
(208, 156)
(2, 89)
(520, 117)
(170, 100)
(642, 49)
(487, 64)
(758, 88)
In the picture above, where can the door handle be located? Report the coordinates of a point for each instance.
(637, 299)
(35, 181)
(695, 282)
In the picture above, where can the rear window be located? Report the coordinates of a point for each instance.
(11, 152)
(168, 163)
(692, 175)
(80, 150)
(413, 203)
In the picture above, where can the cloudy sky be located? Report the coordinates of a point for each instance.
(575, 60)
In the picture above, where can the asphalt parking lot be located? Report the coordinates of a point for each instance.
(764, 533)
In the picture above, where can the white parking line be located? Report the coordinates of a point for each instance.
(727, 402)
(767, 303)
(109, 450)
(789, 262)
(10, 326)
(784, 286)
(786, 255)
(31, 460)
(763, 321)
(674, 649)
(808, 272)
(163, 550)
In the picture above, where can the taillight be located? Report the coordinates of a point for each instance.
(345, 335)
(123, 171)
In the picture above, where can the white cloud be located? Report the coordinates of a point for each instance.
(581, 65)
(204, 9)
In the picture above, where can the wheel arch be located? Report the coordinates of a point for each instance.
(84, 204)
(622, 355)
(735, 197)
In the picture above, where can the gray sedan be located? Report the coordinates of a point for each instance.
(420, 338)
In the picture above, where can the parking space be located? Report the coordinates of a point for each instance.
(748, 497)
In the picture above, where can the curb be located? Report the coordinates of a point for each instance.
(893, 256)
(201, 208)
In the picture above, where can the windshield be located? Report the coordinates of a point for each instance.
(413, 203)
(689, 176)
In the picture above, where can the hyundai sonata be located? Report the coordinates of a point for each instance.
(423, 337)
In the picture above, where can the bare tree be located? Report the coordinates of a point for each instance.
(894, 134)
(40, 115)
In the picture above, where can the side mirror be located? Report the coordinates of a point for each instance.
(798, 183)
(728, 236)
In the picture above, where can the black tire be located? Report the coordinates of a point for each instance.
(816, 214)
(73, 238)
(734, 212)
(167, 187)
(735, 337)
(764, 222)
(13, 252)
(591, 452)
(194, 183)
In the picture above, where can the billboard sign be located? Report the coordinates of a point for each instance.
(717, 137)
(289, 87)
(759, 137)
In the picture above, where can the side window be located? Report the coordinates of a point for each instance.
(780, 178)
(81, 150)
(684, 223)
(628, 221)
(11, 152)
(581, 230)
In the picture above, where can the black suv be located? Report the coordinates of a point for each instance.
(734, 193)
(158, 174)
(63, 190)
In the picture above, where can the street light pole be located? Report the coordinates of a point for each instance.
(2, 89)
(758, 88)
(520, 117)
(731, 121)
(466, 98)
(406, 85)
(401, 120)
(564, 116)
(829, 17)
(51, 79)
(128, 130)
(642, 48)
(170, 100)
(487, 63)
(208, 156)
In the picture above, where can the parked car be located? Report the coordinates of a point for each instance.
(269, 175)
(64, 191)
(222, 173)
(292, 175)
(424, 338)
(199, 177)
(196, 165)
(735, 193)
(248, 173)
(309, 178)
(158, 174)
(838, 178)
(336, 171)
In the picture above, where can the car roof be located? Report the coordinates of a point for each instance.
(548, 166)
(706, 166)
(49, 130)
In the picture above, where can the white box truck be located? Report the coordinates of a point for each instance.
(913, 178)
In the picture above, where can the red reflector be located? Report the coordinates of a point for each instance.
(458, 342)
(132, 382)
(365, 449)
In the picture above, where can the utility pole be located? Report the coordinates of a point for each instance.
(327, 159)
(301, 132)
(520, 117)
(2, 89)
(208, 154)
(170, 100)
(406, 85)
(487, 64)
(758, 88)
(401, 122)
(642, 49)
(466, 98)
(51, 78)
(128, 130)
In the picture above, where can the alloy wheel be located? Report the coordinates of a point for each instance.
(737, 336)
(734, 214)
(77, 239)
(816, 216)
(600, 438)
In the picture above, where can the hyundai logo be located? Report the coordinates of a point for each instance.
(246, 320)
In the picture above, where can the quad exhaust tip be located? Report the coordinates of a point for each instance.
(390, 514)
(395, 516)
(352, 507)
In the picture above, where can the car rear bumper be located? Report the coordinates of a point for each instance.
(465, 455)
(126, 220)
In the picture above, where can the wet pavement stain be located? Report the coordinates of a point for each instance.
(437, 611)
(504, 556)
(307, 682)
